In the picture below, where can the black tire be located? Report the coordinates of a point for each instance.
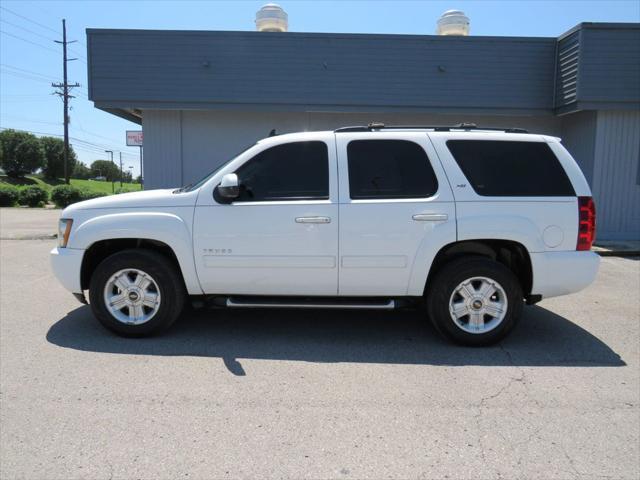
(453, 274)
(165, 275)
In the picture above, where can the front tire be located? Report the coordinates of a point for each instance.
(136, 293)
(474, 301)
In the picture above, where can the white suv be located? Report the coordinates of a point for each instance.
(471, 222)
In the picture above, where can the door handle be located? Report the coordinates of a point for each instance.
(313, 220)
(430, 217)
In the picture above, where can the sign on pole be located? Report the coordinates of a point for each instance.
(134, 138)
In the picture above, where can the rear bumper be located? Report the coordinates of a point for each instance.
(561, 273)
(66, 264)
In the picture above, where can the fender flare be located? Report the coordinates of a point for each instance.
(513, 228)
(167, 228)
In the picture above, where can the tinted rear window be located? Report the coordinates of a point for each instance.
(389, 169)
(514, 169)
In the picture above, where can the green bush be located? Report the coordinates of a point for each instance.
(89, 194)
(65, 195)
(8, 195)
(33, 196)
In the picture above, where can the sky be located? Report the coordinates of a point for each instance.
(30, 60)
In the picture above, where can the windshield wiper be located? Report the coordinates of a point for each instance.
(182, 189)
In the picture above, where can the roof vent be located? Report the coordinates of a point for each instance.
(272, 18)
(453, 22)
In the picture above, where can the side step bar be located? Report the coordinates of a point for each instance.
(297, 303)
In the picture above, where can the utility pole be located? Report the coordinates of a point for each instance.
(113, 188)
(120, 170)
(64, 93)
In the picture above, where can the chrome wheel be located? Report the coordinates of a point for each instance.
(478, 305)
(132, 296)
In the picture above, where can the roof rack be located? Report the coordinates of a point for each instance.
(437, 128)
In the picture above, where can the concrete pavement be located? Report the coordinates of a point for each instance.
(315, 394)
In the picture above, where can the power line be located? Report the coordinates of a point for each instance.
(29, 20)
(22, 100)
(25, 29)
(28, 41)
(28, 71)
(33, 95)
(78, 142)
(30, 120)
(80, 127)
(25, 76)
(75, 52)
(82, 57)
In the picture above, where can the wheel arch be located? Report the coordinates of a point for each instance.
(512, 254)
(102, 249)
(163, 232)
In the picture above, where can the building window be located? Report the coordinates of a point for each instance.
(512, 169)
(383, 169)
(291, 171)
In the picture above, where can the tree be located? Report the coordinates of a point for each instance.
(105, 168)
(21, 153)
(53, 149)
(80, 170)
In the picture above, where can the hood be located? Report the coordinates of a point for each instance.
(147, 198)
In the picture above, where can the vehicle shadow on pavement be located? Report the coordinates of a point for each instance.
(542, 338)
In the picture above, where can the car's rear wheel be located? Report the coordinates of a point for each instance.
(136, 293)
(474, 301)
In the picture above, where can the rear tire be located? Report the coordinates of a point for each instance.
(136, 293)
(474, 301)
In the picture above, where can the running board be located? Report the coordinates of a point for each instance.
(296, 303)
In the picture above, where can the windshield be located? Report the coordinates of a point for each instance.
(193, 186)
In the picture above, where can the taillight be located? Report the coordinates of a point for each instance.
(586, 223)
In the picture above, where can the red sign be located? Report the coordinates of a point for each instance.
(134, 138)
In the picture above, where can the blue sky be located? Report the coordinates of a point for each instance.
(30, 60)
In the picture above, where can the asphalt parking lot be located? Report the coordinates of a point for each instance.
(312, 394)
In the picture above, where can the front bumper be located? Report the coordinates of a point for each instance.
(561, 273)
(66, 264)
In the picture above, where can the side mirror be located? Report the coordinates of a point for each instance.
(228, 188)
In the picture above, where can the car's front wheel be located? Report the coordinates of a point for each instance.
(474, 301)
(136, 292)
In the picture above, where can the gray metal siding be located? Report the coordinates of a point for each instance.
(579, 137)
(205, 139)
(610, 65)
(211, 138)
(162, 148)
(200, 69)
(616, 166)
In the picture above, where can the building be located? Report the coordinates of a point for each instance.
(202, 96)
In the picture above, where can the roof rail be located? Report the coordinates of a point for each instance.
(437, 128)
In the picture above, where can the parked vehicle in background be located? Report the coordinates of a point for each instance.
(471, 222)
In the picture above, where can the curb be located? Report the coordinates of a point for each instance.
(618, 253)
(50, 236)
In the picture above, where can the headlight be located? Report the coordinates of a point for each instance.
(64, 229)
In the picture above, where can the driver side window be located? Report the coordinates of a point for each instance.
(291, 171)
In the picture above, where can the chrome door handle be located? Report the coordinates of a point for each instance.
(313, 220)
(430, 217)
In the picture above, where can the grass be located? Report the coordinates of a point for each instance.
(48, 184)
(104, 187)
